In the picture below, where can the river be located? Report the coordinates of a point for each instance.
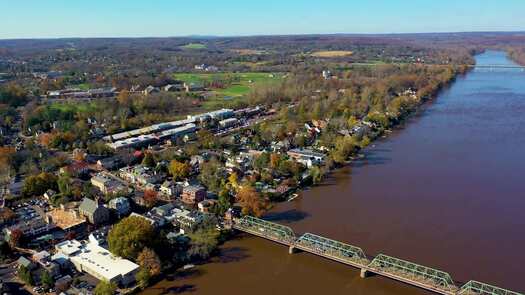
(446, 190)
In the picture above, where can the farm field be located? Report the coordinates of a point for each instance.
(194, 46)
(332, 53)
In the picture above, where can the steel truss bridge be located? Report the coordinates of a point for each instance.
(391, 267)
(479, 66)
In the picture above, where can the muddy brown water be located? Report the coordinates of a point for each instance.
(447, 190)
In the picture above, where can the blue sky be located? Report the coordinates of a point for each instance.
(129, 18)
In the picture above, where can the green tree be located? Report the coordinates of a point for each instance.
(36, 185)
(206, 139)
(64, 185)
(149, 160)
(25, 275)
(224, 202)
(344, 147)
(143, 277)
(204, 240)
(128, 237)
(211, 175)
(317, 174)
(105, 288)
(47, 280)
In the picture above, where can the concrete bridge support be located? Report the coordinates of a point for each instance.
(364, 273)
(291, 249)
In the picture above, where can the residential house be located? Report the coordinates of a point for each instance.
(48, 195)
(110, 163)
(43, 258)
(93, 211)
(175, 87)
(170, 190)
(30, 228)
(307, 157)
(76, 169)
(107, 184)
(193, 87)
(206, 206)
(23, 261)
(140, 175)
(193, 194)
(151, 89)
(121, 205)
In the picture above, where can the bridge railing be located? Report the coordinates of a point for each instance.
(382, 264)
(325, 246)
(267, 229)
(411, 271)
(478, 288)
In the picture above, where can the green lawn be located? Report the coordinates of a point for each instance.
(245, 81)
(77, 107)
(194, 46)
(233, 93)
(83, 86)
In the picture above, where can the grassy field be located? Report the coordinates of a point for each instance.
(245, 81)
(334, 53)
(234, 92)
(194, 46)
(249, 51)
(75, 108)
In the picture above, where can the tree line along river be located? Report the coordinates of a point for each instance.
(446, 190)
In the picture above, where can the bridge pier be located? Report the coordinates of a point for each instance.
(364, 273)
(291, 249)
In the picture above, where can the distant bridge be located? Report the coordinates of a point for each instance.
(484, 66)
(394, 268)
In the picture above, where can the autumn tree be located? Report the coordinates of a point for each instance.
(251, 201)
(6, 162)
(233, 180)
(130, 236)
(274, 160)
(150, 261)
(179, 170)
(16, 237)
(150, 198)
(123, 97)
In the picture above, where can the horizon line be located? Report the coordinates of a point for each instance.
(194, 36)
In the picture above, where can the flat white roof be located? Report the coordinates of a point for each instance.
(103, 262)
(68, 247)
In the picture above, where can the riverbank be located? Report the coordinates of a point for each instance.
(376, 134)
(421, 194)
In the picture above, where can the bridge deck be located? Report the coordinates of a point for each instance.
(394, 268)
(410, 282)
(331, 257)
(263, 235)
